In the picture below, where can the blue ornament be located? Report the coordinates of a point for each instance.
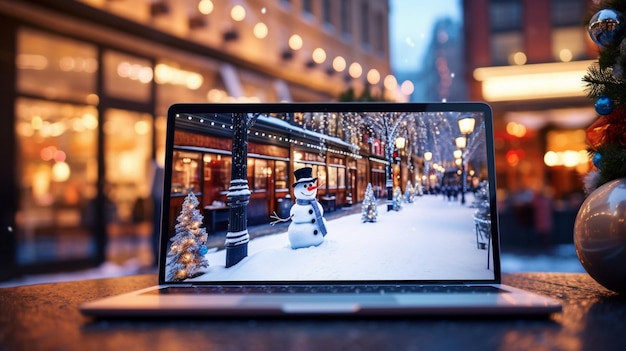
(606, 28)
(203, 250)
(597, 160)
(604, 105)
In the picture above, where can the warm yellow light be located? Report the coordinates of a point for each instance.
(295, 42)
(355, 70)
(400, 143)
(457, 153)
(570, 158)
(537, 81)
(565, 55)
(238, 13)
(407, 87)
(60, 172)
(373, 76)
(516, 129)
(205, 7)
(518, 58)
(460, 142)
(466, 125)
(319, 55)
(458, 162)
(390, 82)
(142, 127)
(339, 64)
(260, 30)
(428, 155)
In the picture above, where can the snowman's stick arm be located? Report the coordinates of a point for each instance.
(277, 219)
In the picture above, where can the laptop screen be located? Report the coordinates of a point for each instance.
(333, 192)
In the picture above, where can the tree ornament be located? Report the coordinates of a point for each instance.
(604, 105)
(600, 235)
(597, 160)
(606, 28)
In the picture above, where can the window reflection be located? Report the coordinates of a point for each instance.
(57, 169)
(67, 67)
(185, 172)
(128, 150)
(127, 77)
(281, 175)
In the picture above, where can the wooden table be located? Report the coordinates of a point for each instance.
(46, 317)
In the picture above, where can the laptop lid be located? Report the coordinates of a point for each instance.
(307, 193)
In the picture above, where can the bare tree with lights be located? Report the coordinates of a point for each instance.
(387, 126)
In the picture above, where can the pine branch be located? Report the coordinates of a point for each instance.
(613, 163)
(601, 82)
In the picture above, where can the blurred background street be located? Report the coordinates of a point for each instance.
(87, 83)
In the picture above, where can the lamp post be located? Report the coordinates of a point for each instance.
(466, 127)
(427, 157)
(400, 145)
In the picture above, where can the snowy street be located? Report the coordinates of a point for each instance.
(427, 239)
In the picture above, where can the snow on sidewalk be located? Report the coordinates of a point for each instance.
(428, 239)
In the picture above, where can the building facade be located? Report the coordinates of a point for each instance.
(527, 59)
(86, 86)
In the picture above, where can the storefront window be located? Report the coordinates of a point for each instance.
(185, 170)
(217, 169)
(341, 178)
(261, 174)
(127, 77)
(281, 175)
(67, 67)
(332, 177)
(128, 156)
(57, 172)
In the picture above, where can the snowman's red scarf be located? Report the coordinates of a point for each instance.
(318, 215)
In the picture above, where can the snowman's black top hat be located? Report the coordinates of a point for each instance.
(303, 175)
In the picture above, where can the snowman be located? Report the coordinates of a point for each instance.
(308, 226)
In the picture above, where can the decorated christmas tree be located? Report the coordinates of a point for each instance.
(369, 210)
(409, 192)
(397, 199)
(599, 231)
(185, 258)
(606, 85)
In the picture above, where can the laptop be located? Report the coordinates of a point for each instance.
(337, 209)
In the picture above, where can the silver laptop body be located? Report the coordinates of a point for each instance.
(283, 209)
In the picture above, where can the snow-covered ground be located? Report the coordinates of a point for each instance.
(427, 239)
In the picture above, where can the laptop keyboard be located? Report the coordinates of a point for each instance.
(329, 289)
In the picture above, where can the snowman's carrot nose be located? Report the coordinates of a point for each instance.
(311, 188)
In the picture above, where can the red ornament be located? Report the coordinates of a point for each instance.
(609, 129)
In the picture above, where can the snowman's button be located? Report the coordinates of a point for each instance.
(313, 220)
(315, 232)
(310, 211)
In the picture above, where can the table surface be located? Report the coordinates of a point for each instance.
(46, 317)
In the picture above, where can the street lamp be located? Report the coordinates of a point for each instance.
(466, 127)
(427, 157)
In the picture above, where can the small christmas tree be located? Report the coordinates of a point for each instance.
(397, 199)
(369, 210)
(409, 192)
(186, 254)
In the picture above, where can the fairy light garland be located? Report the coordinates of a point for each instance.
(279, 138)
